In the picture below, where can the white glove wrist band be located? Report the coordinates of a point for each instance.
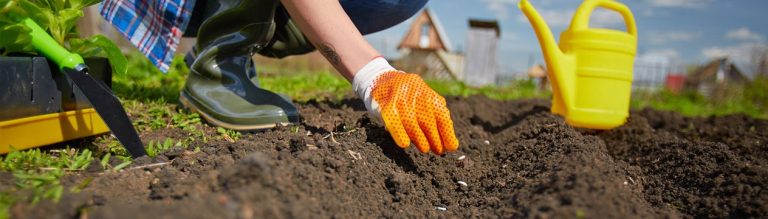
(363, 82)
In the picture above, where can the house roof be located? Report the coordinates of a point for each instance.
(440, 31)
(537, 71)
(410, 40)
(709, 73)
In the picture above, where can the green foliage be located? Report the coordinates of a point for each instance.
(99, 45)
(6, 201)
(59, 18)
(39, 171)
(306, 86)
(14, 37)
(157, 148)
(323, 85)
(751, 99)
(228, 134)
(144, 82)
(516, 90)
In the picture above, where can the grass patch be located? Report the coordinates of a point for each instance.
(307, 86)
(750, 99)
(39, 171)
(516, 90)
(144, 82)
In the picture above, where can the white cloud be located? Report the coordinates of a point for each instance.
(679, 3)
(562, 18)
(742, 53)
(743, 50)
(659, 38)
(666, 53)
(554, 18)
(501, 7)
(744, 34)
(606, 18)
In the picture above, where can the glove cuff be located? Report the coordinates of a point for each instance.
(363, 82)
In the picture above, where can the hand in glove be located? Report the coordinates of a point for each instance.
(411, 111)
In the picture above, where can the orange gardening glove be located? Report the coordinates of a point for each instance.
(411, 111)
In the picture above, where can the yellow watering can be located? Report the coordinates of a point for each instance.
(591, 70)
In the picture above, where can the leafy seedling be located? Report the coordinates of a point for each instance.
(59, 18)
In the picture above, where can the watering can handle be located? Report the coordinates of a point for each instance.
(581, 19)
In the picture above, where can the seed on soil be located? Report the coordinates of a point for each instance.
(441, 208)
(355, 155)
(462, 183)
(462, 157)
(487, 142)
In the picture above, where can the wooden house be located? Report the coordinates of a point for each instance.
(427, 50)
(713, 77)
(538, 73)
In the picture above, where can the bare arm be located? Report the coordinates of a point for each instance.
(329, 28)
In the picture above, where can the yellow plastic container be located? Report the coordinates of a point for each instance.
(591, 69)
(48, 129)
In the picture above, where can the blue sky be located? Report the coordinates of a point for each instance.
(686, 31)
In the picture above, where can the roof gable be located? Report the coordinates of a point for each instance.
(436, 39)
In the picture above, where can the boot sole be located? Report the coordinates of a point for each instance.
(208, 118)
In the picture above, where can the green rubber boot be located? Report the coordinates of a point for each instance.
(222, 85)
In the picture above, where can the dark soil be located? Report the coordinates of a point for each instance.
(519, 161)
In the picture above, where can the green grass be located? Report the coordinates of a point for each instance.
(751, 99)
(516, 90)
(306, 86)
(143, 82)
(39, 171)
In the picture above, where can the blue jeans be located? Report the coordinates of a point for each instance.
(371, 16)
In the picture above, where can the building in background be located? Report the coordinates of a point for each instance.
(715, 76)
(538, 73)
(426, 49)
(481, 68)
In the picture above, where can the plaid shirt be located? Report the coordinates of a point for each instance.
(155, 27)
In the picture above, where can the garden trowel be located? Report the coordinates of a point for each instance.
(103, 100)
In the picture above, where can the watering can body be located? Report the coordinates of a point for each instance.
(591, 68)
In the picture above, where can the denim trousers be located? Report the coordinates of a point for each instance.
(369, 16)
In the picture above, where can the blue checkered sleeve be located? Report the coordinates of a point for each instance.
(155, 27)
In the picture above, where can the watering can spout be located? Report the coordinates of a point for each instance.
(558, 64)
(549, 47)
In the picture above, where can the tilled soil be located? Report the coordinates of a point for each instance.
(516, 160)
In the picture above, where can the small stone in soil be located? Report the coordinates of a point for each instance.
(487, 142)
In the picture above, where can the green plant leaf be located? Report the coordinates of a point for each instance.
(41, 15)
(67, 20)
(14, 38)
(114, 54)
(98, 45)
